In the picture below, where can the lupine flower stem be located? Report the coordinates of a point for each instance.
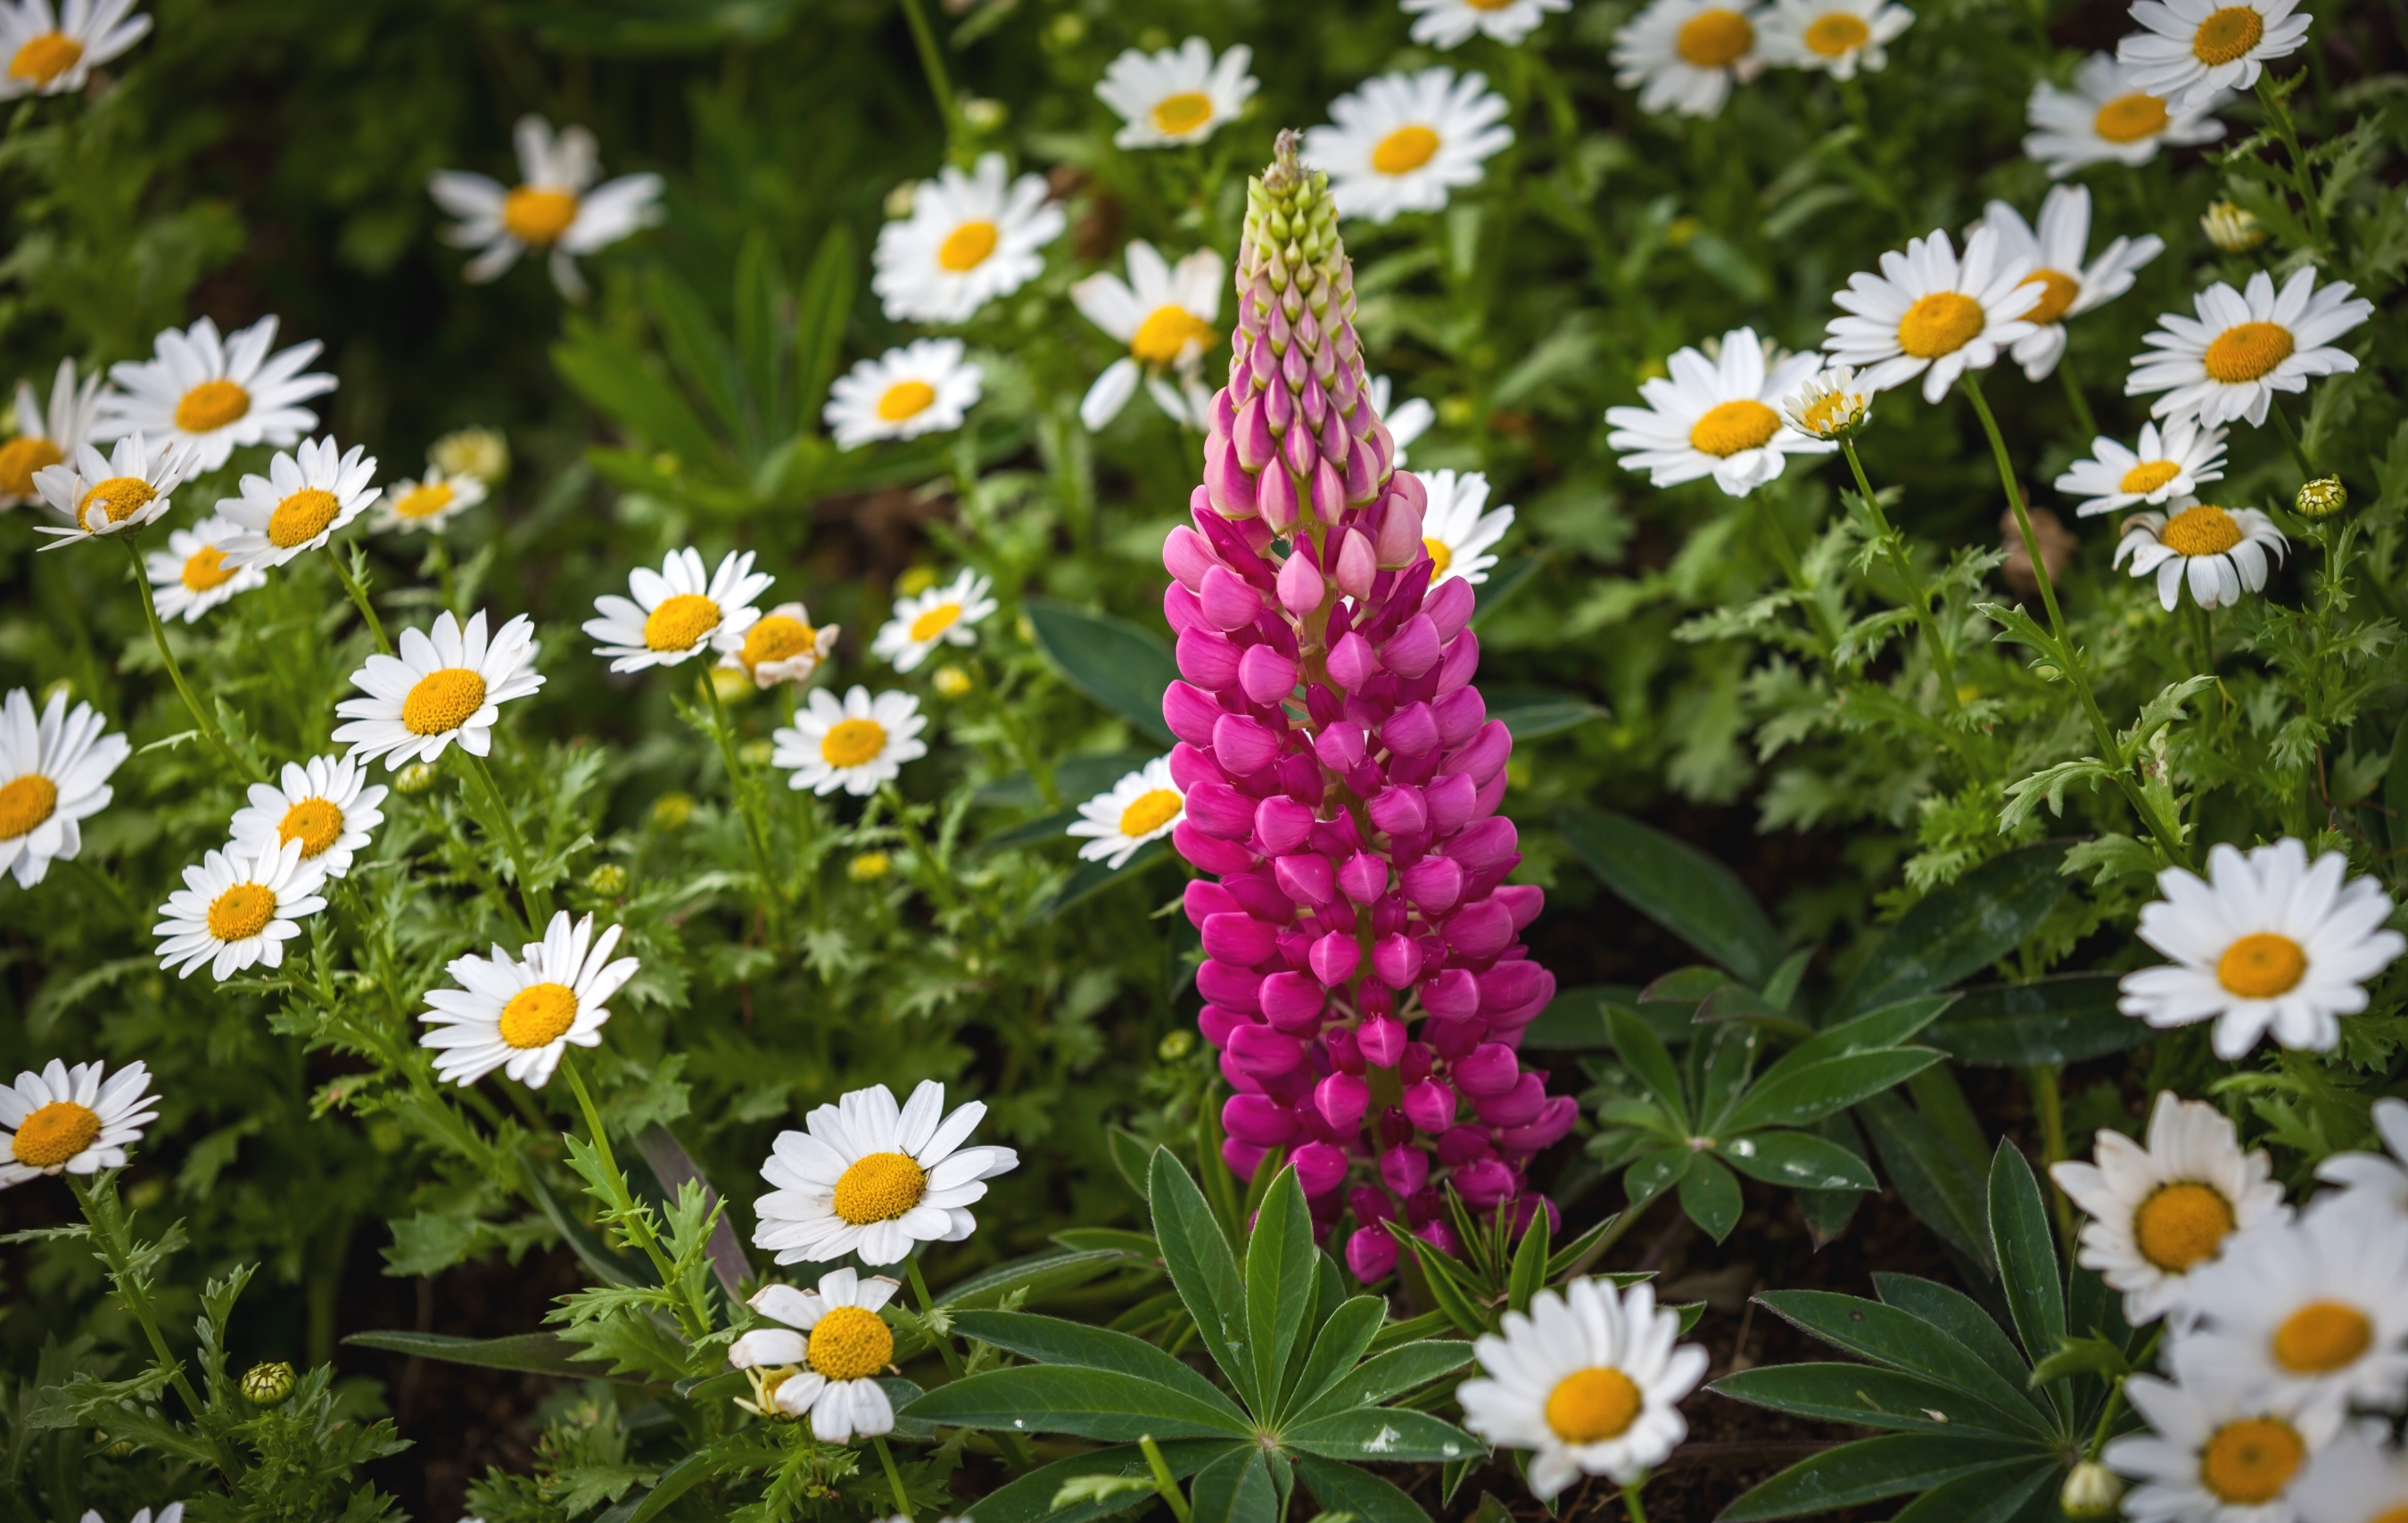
(201, 716)
(359, 596)
(537, 902)
(740, 786)
(1164, 1484)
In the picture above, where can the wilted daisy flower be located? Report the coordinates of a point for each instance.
(940, 616)
(1404, 142)
(2315, 1309)
(968, 239)
(2108, 119)
(2168, 464)
(52, 52)
(1407, 421)
(428, 503)
(482, 452)
(1164, 315)
(2244, 346)
(327, 805)
(549, 209)
(2161, 1213)
(2234, 229)
(299, 504)
(66, 1120)
(209, 397)
(54, 773)
(46, 438)
(1931, 314)
(2189, 50)
(238, 908)
(1715, 418)
(1683, 54)
(854, 745)
(106, 496)
(678, 612)
(924, 387)
(447, 684)
(1836, 36)
(865, 1179)
(2220, 552)
(1590, 1381)
(827, 1359)
(2265, 942)
(782, 646)
(2359, 1477)
(2216, 1452)
(2068, 287)
(1450, 23)
(1140, 807)
(1458, 534)
(1176, 96)
(192, 576)
(519, 1013)
(1828, 406)
(2373, 1178)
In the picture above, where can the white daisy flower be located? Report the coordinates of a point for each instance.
(1140, 807)
(2221, 552)
(1829, 404)
(924, 387)
(428, 503)
(1716, 417)
(2373, 1176)
(482, 452)
(1451, 24)
(2069, 287)
(1459, 538)
(968, 239)
(2213, 1454)
(238, 908)
(678, 612)
(2265, 942)
(782, 646)
(327, 805)
(549, 209)
(868, 1179)
(1164, 315)
(206, 397)
(854, 745)
(2162, 1212)
(1407, 421)
(106, 496)
(939, 616)
(192, 575)
(1405, 142)
(2313, 1310)
(51, 52)
(2359, 1477)
(1931, 314)
(2169, 463)
(54, 775)
(66, 1120)
(447, 684)
(172, 1512)
(827, 1359)
(1683, 54)
(2107, 118)
(1836, 36)
(1170, 97)
(2244, 346)
(1590, 1381)
(2189, 50)
(519, 1013)
(299, 504)
(45, 439)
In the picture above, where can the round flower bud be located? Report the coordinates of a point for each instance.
(868, 867)
(2321, 498)
(481, 452)
(610, 880)
(982, 114)
(670, 811)
(732, 683)
(417, 777)
(755, 753)
(2232, 229)
(2091, 1492)
(266, 1385)
(951, 681)
(1176, 1046)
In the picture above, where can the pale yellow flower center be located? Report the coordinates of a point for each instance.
(2321, 1337)
(302, 517)
(905, 398)
(1836, 34)
(966, 247)
(2147, 477)
(1733, 426)
(878, 1187)
(538, 216)
(1939, 323)
(2127, 119)
(1717, 39)
(2228, 35)
(211, 405)
(944, 615)
(118, 499)
(1149, 812)
(2181, 1224)
(1591, 1406)
(45, 58)
(442, 701)
(851, 743)
(2250, 1462)
(426, 502)
(25, 802)
(316, 823)
(849, 1343)
(1181, 113)
(537, 1014)
(776, 638)
(2246, 351)
(20, 458)
(2262, 966)
(241, 912)
(677, 621)
(2202, 530)
(1405, 149)
(55, 1133)
(2057, 291)
(1167, 332)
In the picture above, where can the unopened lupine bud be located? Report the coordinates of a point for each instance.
(2321, 498)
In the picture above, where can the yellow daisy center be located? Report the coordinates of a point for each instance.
(426, 502)
(45, 58)
(1181, 113)
(302, 517)
(677, 621)
(1734, 426)
(2181, 1224)
(537, 1014)
(905, 398)
(2321, 1337)
(20, 458)
(1441, 557)
(1405, 149)
(25, 802)
(316, 823)
(1939, 323)
(2127, 119)
(538, 216)
(55, 1133)
(118, 499)
(851, 1343)
(878, 1187)
(2247, 352)
(2250, 1462)
(2148, 476)
(1826, 415)
(851, 743)
(1488, 5)
(2392, 1514)
(944, 615)
(776, 638)
(2261, 967)
(2200, 530)
(442, 700)
(211, 405)
(241, 912)
(966, 247)
(206, 568)
(1836, 34)
(1150, 812)
(1167, 332)
(2057, 291)
(1591, 1406)
(1717, 39)
(2226, 36)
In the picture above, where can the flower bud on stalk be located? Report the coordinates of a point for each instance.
(1364, 979)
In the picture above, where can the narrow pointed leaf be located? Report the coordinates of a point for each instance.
(1235, 1489)
(1382, 1435)
(1389, 1375)
(1343, 1488)
(1871, 1470)
(1961, 1318)
(1203, 1270)
(1052, 1339)
(1884, 1333)
(1064, 1398)
(1280, 1264)
(1343, 1337)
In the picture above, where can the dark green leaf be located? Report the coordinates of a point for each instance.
(758, 288)
(1386, 1376)
(538, 1353)
(2082, 1357)
(1043, 1275)
(1066, 1399)
(1530, 715)
(2024, 1243)
(1792, 1097)
(675, 1481)
(1736, 1003)
(697, 350)
(1529, 1272)
(1383, 1434)
(1204, 1271)
(821, 310)
(622, 383)
(1827, 1212)
(1678, 886)
(1279, 1262)
(1030, 1498)
(1936, 1182)
(1730, 1057)
(1891, 1026)
(1342, 1488)
(1502, 584)
(1560, 1262)
(1235, 1489)
(1870, 1469)
(1655, 1172)
(1796, 1160)
(2048, 1020)
(1709, 1194)
(1876, 1330)
(1869, 1397)
(1960, 1316)
(1442, 1276)
(1343, 1337)
(1993, 1494)
(1962, 929)
(1052, 1339)
(1111, 661)
(1088, 879)
(1647, 1060)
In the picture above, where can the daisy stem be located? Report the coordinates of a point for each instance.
(944, 1342)
(2049, 1098)
(2299, 451)
(773, 903)
(535, 902)
(2278, 116)
(1165, 1483)
(1631, 1501)
(630, 1219)
(1942, 661)
(359, 596)
(110, 1230)
(210, 730)
(2074, 396)
(933, 62)
(886, 1457)
(931, 874)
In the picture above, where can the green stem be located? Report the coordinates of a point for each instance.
(130, 1284)
(201, 716)
(894, 1477)
(1630, 1499)
(1917, 590)
(2080, 404)
(739, 786)
(1164, 1482)
(932, 876)
(2049, 1098)
(537, 901)
(2299, 451)
(631, 1222)
(1008, 1444)
(2278, 113)
(1795, 569)
(359, 596)
(438, 555)
(933, 63)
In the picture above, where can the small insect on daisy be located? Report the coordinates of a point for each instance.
(2107, 118)
(192, 576)
(429, 503)
(99, 496)
(447, 683)
(1837, 37)
(940, 616)
(46, 438)
(782, 646)
(1590, 1381)
(854, 745)
(1405, 142)
(2359, 1477)
(326, 804)
(1171, 97)
(1683, 54)
(2162, 1212)
(2267, 941)
(1930, 314)
(2244, 346)
(238, 909)
(208, 397)
(2188, 51)
(2168, 463)
(864, 1177)
(968, 239)
(1829, 406)
(2065, 286)
(1406, 421)
(2313, 1310)
(2220, 552)
(69, 1120)
(54, 773)
(826, 1360)
(1459, 538)
(1717, 416)
(925, 386)
(679, 612)
(2216, 1452)
(1451, 24)
(2374, 1178)
(1164, 313)
(299, 504)
(550, 210)
(1142, 806)
(53, 52)
(520, 1013)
